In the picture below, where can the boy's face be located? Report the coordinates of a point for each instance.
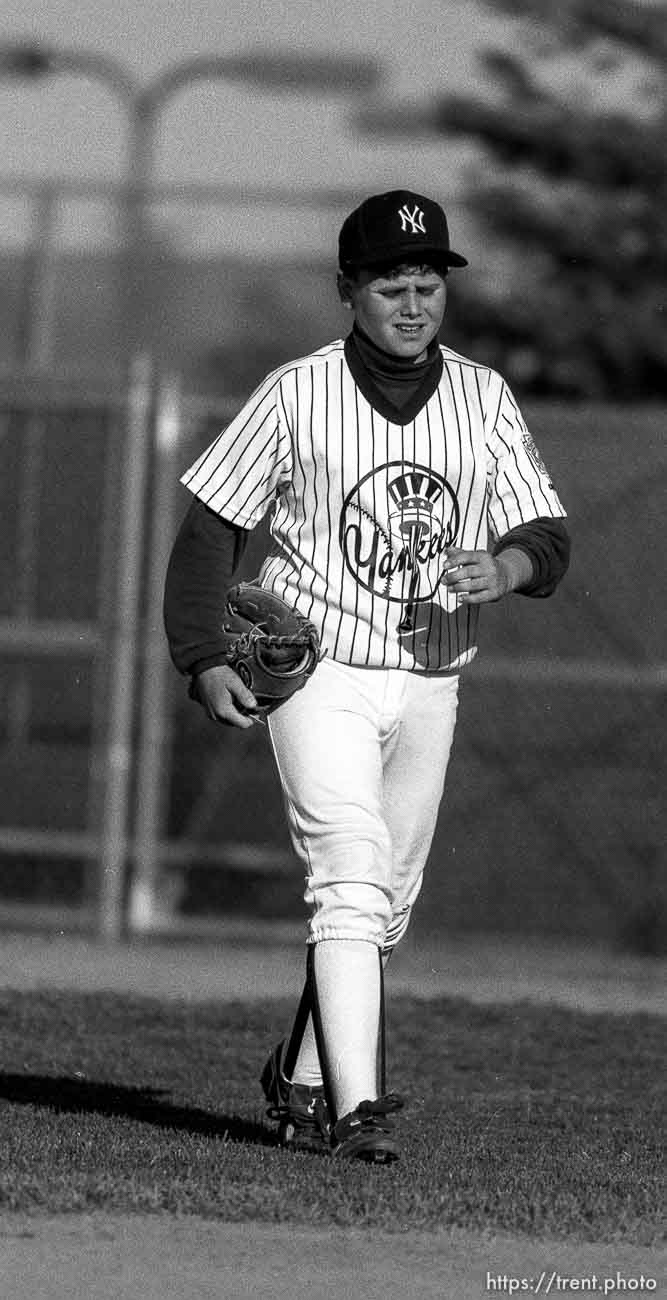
(400, 308)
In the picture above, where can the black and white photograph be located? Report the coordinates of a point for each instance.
(333, 902)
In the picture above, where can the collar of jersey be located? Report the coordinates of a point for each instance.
(374, 395)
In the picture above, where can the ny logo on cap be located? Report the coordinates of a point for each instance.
(414, 219)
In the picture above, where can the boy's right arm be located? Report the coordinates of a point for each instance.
(204, 558)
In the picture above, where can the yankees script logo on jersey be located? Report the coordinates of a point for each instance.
(365, 509)
(403, 565)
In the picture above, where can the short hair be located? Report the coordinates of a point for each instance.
(394, 268)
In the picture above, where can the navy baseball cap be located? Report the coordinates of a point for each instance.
(390, 227)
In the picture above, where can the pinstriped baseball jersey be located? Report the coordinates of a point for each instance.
(365, 509)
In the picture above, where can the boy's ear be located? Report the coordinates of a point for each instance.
(344, 289)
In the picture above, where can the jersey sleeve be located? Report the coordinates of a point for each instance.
(519, 486)
(240, 473)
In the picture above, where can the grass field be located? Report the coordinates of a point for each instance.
(528, 1119)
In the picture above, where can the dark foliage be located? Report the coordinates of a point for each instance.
(574, 180)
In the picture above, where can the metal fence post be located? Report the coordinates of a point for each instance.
(149, 902)
(35, 356)
(114, 838)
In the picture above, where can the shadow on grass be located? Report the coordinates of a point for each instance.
(147, 1105)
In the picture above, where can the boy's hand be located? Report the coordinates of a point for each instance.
(478, 577)
(223, 696)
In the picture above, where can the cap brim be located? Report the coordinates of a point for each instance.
(457, 259)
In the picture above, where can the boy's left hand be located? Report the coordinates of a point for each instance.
(478, 577)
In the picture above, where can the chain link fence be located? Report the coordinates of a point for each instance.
(553, 819)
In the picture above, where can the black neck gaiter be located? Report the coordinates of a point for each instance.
(397, 379)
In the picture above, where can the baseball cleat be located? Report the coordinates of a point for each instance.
(301, 1112)
(366, 1133)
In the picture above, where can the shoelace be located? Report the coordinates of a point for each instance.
(374, 1114)
(314, 1114)
(382, 1105)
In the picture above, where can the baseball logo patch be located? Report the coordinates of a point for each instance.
(534, 455)
(395, 527)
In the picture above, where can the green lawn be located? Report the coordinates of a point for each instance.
(525, 1119)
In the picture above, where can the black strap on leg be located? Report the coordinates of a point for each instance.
(382, 1035)
(311, 984)
(298, 1030)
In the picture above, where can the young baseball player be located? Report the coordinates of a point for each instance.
(405, 492)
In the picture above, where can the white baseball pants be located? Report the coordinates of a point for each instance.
(362, 755)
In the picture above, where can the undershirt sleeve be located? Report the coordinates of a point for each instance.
(547, 544)
(205, 555)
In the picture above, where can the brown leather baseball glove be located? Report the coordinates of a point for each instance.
(271, 646)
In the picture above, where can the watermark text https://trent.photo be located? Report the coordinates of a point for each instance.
(555, 1282)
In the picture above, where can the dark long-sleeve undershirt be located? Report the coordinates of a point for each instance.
(204, 558)
(546, 542)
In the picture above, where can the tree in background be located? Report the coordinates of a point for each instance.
(574, 184)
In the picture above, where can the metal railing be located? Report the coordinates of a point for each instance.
(138, 433)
